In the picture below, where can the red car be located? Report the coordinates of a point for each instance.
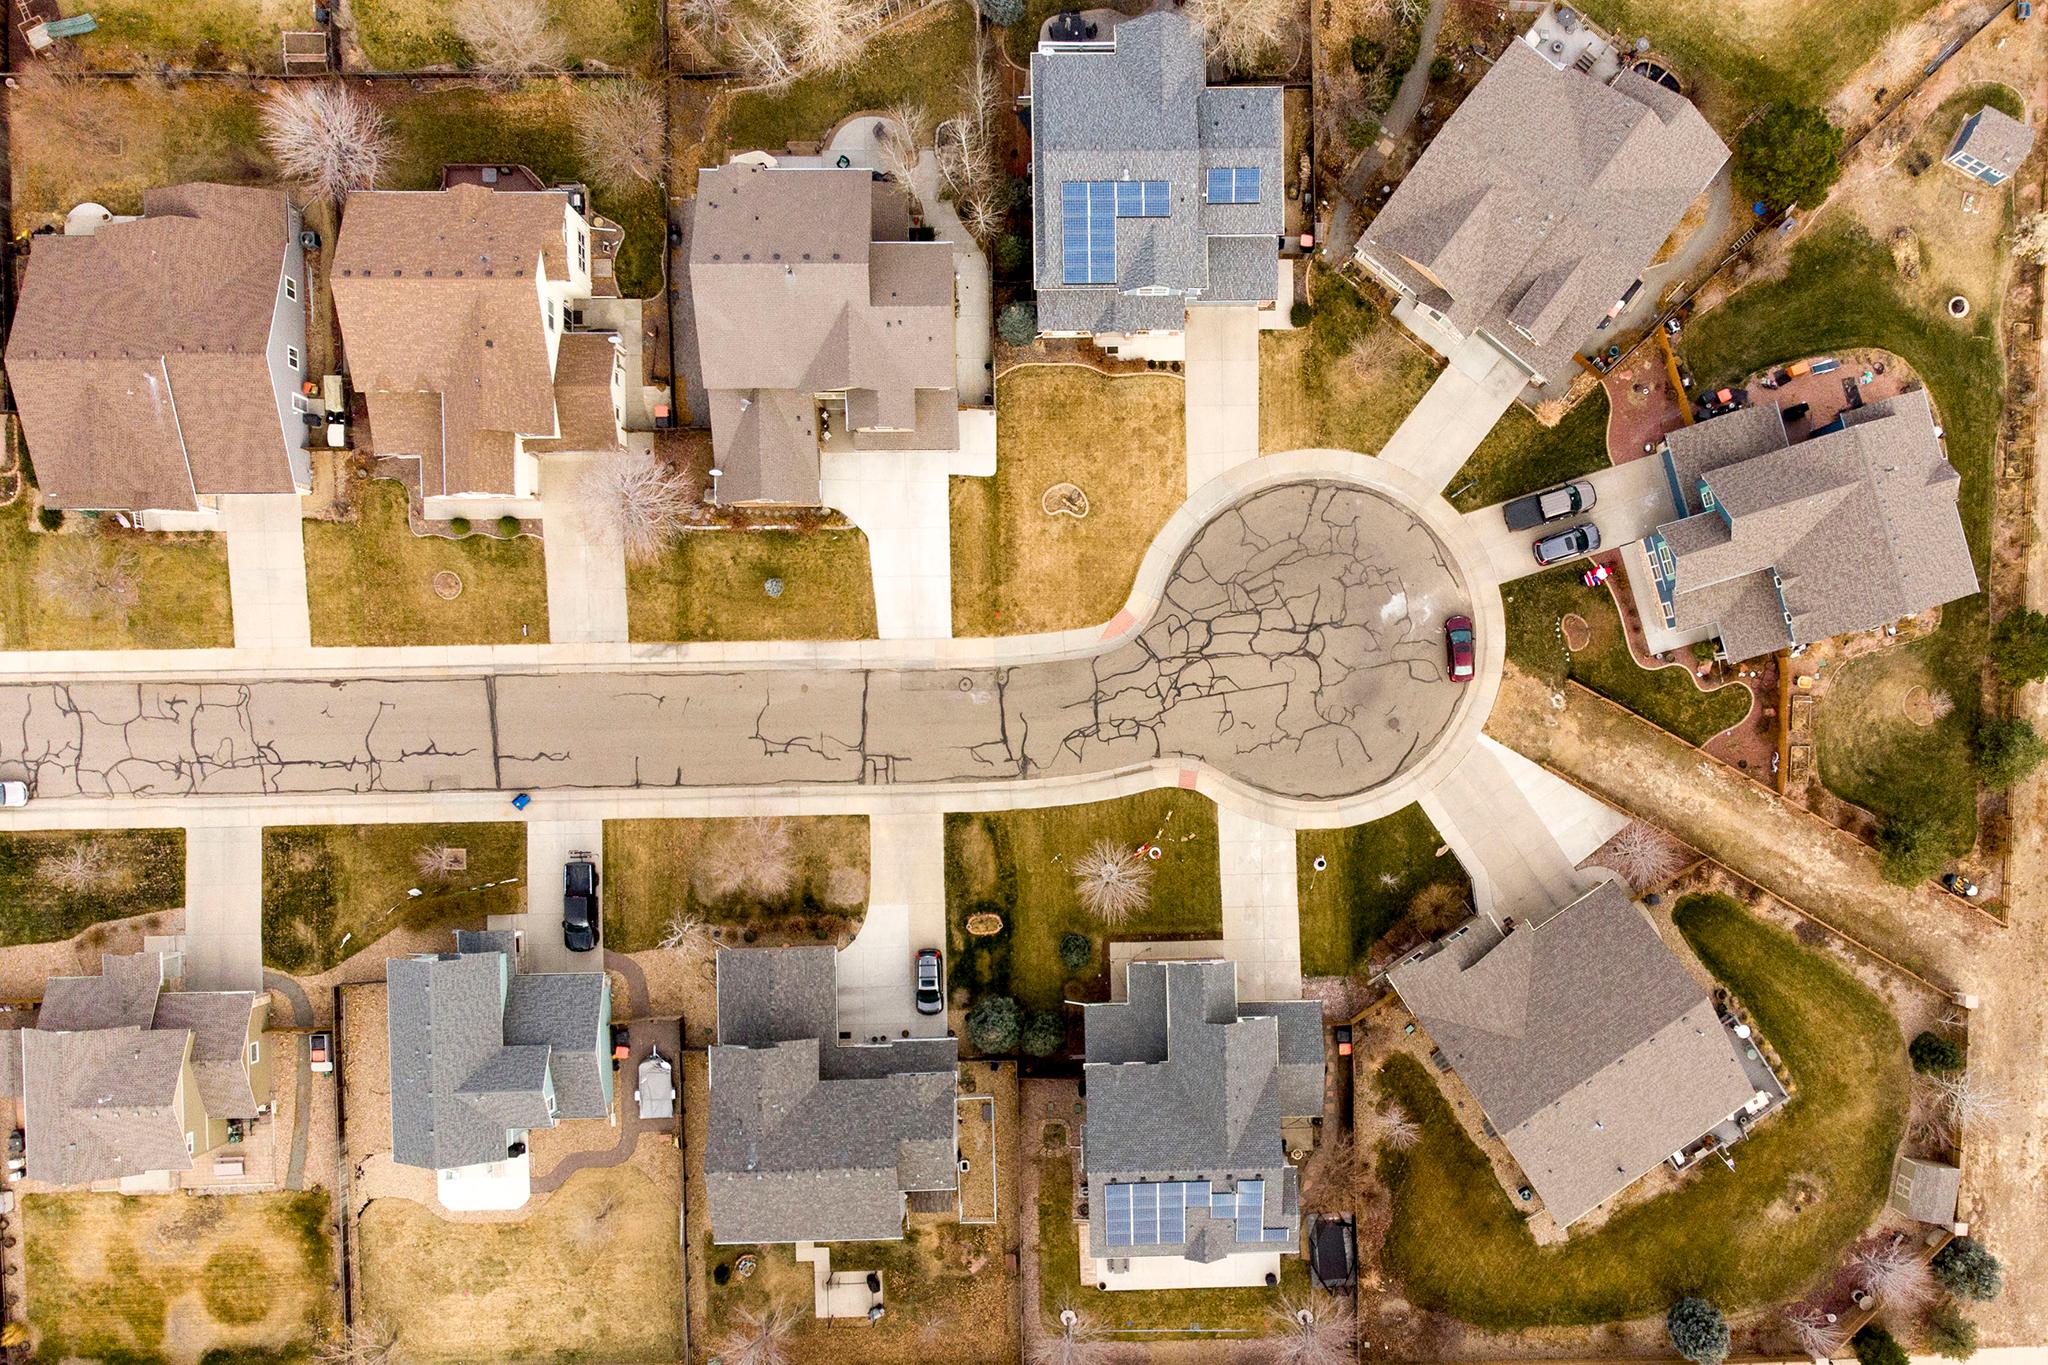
(1458, 647)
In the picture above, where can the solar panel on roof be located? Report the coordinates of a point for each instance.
(1116, 1211)
(1233, 184)
(1141, 199)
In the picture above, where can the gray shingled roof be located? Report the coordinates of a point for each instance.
(1545, 194)
(809, 1140)
(1859, 526)
(1925, 1190)
(1141, 111)
(477, 1050)
(1587, 1044)
(123, 995)
(1995, 138)
(1186, 1083)
(798, 291)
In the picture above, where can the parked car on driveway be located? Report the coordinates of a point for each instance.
(1579, 540)
(579, 905)
(1458, 647)
(13, 793)
(931, 997)
(1550, 505)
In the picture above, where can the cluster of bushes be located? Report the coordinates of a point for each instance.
(1967, 1273)
(508, 526)
(999, 1025)
(1391, 60)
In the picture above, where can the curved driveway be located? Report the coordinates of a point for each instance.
(1292, 647)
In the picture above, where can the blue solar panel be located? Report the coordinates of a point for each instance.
(1233, 184)
(1155, 199)
(1251, 1205)
(1102, 232)
(1074, 232)
(1141, 199)
(1116, 1208)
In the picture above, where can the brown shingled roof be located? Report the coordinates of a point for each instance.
(138, 359)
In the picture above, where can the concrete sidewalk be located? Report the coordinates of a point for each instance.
(266, 570)
(586, 561)
(876, 984)
(1439, 435)
(1261, 905)
(1222, 390)
(224, 908)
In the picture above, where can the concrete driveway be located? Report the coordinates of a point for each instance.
(1630, 501)
(586, 561)
(876, 984)
(1439, 435)
(1261, 905)
(549, 844)
(224, 907)
(1222, 372)
(266, 570)
(1519, 831)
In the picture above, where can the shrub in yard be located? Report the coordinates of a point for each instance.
(1361, 132)
(1076, 951)
(1967, 1269)
(1950, 1332)
(1010, 253)
(1698, 1331)
(1912, 849)
(459, 525)
(995, 1024)
(1300, 314)
(1017, 324)
(1440, 69)
(1932, 1052)
(2008, 751)
(1789, 154)
(52, 518)
(1003, 12)
(1876, 1346)
(1366, 54)
(2019, 646)
(1042, 1035)
(721, 1272)
(508, 526)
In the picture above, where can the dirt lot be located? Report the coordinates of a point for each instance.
(174, 1276)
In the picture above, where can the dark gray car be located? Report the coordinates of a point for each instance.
(1551, 504)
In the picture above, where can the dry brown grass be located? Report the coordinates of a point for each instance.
(651, 872)
(1122, 440)
(107, 141)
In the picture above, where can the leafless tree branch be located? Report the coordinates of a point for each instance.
(1113, 881)
(326, 137)
(510, 37)
(619, 128)
(640, 499)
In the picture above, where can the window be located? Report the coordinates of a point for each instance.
(188, 1144)
(1233, 184)
(291, 356)
(299, 403)
(551, 317)
(291, 288)
(583, 252)
(255, 1051)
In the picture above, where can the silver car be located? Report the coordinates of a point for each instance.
(1579, 540)
(931, 997)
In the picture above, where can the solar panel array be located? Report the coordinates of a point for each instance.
(1155, 1213)
(1233, 184)
(1088, 213)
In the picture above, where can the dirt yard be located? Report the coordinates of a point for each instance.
(175, 1276)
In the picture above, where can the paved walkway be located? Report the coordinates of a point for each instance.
(1344, 224)
(1222, 408)
(1439, 435)
(266, 570)
(302, 1017)
(641, 1034)
(902, 502)
(224, 908)
(876, 981)
(586, 562)
(1261, 906)
(1518, 831)
(1629, 501)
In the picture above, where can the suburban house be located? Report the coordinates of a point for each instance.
(1188, 1180)
(1152, 192)
(1591, 1050)
(461, 310)
(482, 1054)
(126, 1078)
(821, 315)
(1990, 146)
(1534, 210)
(157, 361)
(812, 1138)
(1926, 1190)
(1777, 545)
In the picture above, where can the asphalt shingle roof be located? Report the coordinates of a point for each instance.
(1995, 138)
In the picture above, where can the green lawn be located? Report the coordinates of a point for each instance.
(370, 581)
(1375, 874)
(922, 61)
(1235, 1313)
(326, 883)
(1459, 1245)
(1872, 754)
(654, 869)
(1014, 863)
(1344, 381)
(711, 585)
(529, 125)
(1664, 696)
(1521, 455)
(1842, 292)
(56, 883)
(405, 35)
(116, 590)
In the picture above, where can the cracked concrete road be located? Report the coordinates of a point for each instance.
(1297, 649)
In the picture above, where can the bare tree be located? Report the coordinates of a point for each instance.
(1896, 1276)
(439, 862)
(761, 1337)
(1078, 1341)
(326, 137)
(2030, 238)
(510, 37)
(80, 867)
(831, 33)
(1397, 1130)
(1965, 1097)
(1240, 32)
(640, 499)
(1113, 881)
(620, 131)
(755, 857)
(902, 142)
(1318, 1329)
(1940, 704)
(64, 113)
(360, 1343)
(90, 577)
(684, 934)
(1813, 1332)
(965, 148)
(1331, 1173)
(762, 52)
(1644, 855)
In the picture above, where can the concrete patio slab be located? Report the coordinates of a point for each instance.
(1261, 906)
(266, 570)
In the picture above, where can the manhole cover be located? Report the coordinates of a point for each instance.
(1959, 307)
(447, 585)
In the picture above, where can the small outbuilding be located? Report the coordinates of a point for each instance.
(1990, 146)
(1926, 1190)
